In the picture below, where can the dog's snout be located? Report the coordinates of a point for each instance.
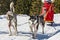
(32, 20)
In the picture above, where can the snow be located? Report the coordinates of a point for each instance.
(50, 32)
(55, 37)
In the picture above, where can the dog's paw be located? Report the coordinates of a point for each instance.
(10, 34)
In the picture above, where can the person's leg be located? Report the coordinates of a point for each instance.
(52, 23)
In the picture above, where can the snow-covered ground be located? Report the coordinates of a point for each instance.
(51, 32)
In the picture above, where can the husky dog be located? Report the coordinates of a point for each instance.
(12, 18)
(33, 25)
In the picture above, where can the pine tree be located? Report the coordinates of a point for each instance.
(35, 8)
(4, 6)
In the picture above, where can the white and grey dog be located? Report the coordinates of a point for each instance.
(33, 25)
(12, 18)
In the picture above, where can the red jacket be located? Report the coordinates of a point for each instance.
(49, 11)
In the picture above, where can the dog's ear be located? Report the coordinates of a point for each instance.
(30, 17)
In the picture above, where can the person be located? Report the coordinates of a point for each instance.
(48, 11)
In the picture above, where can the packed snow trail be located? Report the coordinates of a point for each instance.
(24, 32)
